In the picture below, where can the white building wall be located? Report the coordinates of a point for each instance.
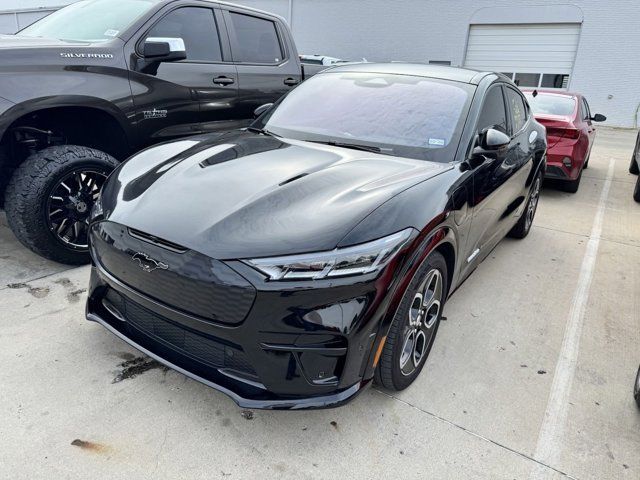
(607, 64)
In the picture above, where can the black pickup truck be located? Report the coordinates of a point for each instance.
(94, 82)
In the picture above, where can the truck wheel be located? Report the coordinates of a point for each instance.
(49, 199)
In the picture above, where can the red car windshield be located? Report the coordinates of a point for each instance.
(549, 104)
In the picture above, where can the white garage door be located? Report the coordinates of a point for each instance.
(533, 55)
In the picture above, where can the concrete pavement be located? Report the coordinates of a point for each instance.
(504, 370)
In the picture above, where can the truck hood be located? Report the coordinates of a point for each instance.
(24, 54)
(19, 41)
(243, 195)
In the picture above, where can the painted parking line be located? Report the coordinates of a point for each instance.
(550, 437)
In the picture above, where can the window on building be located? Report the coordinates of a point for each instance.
(197, 27)
(518, 110)
(256, 40)
(527, 79)
(493, 113)
(554, 80)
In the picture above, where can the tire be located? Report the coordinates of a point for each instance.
(430, 281)
(523, 227)
(633, 167)
(636, 191)
(571, 186)
(48, 216)
(636, 389)
(586, 162)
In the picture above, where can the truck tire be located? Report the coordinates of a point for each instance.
(49, 198)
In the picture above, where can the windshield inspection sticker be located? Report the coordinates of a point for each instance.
(111, 33)
(439, 142)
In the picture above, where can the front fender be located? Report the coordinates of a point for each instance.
(16, 111)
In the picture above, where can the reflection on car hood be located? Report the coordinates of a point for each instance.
(240, 194)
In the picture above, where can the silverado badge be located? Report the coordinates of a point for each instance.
(147, 263)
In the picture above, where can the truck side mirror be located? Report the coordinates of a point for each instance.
(164, 49)
(261, 109)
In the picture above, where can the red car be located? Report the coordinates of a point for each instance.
(570, 133)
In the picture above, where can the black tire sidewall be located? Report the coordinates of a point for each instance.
(28, 194)
(636, 190)
(390, 373)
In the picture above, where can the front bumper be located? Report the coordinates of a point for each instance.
(301, 344)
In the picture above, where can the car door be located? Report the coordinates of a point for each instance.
(267, 65)
(498, 182)
(177, 98)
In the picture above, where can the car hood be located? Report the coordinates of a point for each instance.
(240, 194)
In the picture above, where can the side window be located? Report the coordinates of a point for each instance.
(587, 111)
(493, 113)
(256, 39)
(197, 27)
(518, 110)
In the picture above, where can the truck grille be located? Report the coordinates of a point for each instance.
(186, 281)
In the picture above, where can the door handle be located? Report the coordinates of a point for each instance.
(223, 81)
(291, 82)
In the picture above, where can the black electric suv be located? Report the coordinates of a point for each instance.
(291, 263)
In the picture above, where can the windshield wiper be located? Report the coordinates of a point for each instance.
(354, 146)
(262, 131)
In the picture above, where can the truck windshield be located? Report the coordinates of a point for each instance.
(399, 115)
(89, 20)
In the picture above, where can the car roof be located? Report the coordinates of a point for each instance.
(456, 74)
(562, 93)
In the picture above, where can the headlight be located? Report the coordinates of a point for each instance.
(356, 260)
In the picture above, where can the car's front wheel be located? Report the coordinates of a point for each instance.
(414, 326)
(49, 198)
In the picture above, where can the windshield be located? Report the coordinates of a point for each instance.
(544, 104)
(89, 20)
(402, 115)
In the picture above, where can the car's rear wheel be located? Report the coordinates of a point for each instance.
(586, 162)
(522, 228)
(49, 199)
(414, 326)
(636, 191)
(634, 167)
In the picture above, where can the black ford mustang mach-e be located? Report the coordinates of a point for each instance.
(290, 264)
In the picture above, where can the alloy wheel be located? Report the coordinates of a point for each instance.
(418, 332)
(533, 203)
(69, 205)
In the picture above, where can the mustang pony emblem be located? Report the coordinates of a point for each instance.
(147, 263)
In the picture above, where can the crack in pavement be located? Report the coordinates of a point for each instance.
(477, 435)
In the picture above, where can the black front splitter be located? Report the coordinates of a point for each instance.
(325, 401)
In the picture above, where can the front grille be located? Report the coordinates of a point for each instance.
(212, 352)
(188, 281)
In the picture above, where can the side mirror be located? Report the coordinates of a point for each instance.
(493, 139)
(164, 49)
(598, 117)
(262, 109)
